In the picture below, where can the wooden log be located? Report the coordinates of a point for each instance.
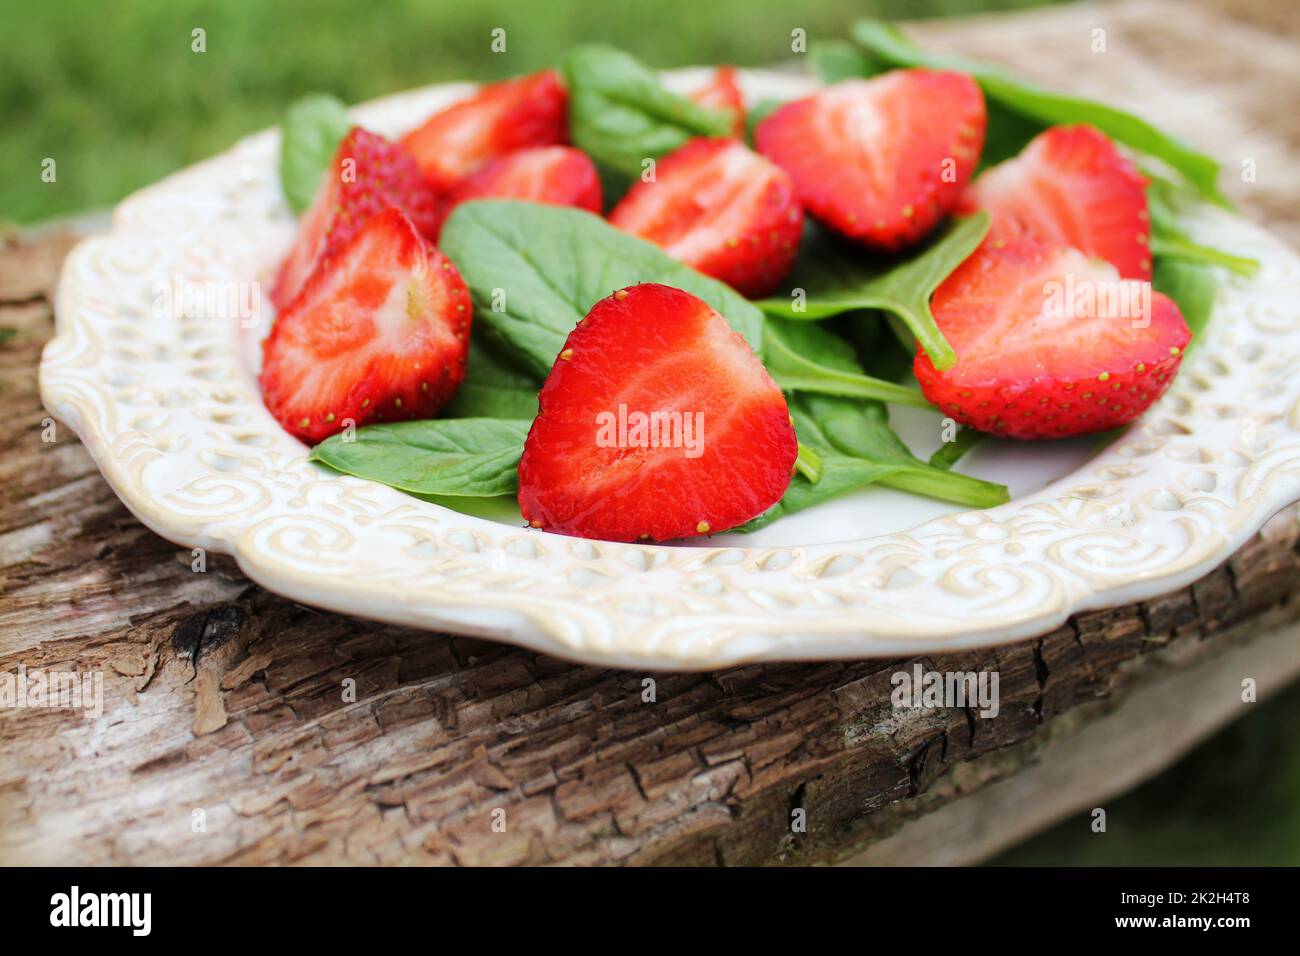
(1080, 762)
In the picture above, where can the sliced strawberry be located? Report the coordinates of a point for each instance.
(368, 174)
(499, 119)
(1070, 186)
(880, 160)
(720, 207)
(557, 175)
(720, 452)
(379, 333)
(1050, 343)
(723, 93)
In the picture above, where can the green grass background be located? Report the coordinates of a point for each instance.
(113, 92)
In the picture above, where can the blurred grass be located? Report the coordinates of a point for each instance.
(114, 94)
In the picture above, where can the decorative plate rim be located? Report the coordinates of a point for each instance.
(179, 432)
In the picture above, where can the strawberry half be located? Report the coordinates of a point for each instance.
(881, 160)
(557, 175)
(718, 206)
(1050, 343)
(599, 464)
(367, 175)
(379, 333)
(1070, 186)
(723, 93)
(499, 119)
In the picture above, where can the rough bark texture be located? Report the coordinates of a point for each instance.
(225, 699)
(1086, 757)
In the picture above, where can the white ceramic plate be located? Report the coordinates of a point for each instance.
(167, 406)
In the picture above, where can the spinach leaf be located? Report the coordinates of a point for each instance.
(808, 463)
(851, 441)
(1006, 135)
(1177, 247)
(838, 277)
(1184, 270)
(461, 457)
(857, 448)
(802, 356)
(621, 116)
(839, 473)
(1169, 240)
(861, 430)
(835, 60)
(878, 352)
(1193, 286)
(494, 387)
(952, 452)
(312, 130)
(887, 43)
(503, 509)
(545, 266)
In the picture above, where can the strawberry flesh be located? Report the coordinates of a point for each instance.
(379, 333)
(882, 160)
(367, 175)
(499, 119)
(719, 207)
(1070, 186)
(586, 468)
(556, 175)
(1050, 343)
(723, 93)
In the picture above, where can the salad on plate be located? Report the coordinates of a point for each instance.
(654, 315)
